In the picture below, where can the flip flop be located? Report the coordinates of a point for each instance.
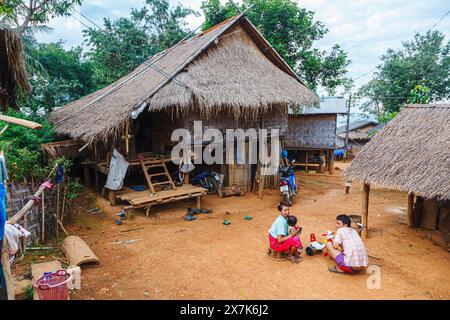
(335, 270)
(189, 217)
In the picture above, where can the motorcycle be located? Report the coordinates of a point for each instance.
(288, 186)
(209, 180)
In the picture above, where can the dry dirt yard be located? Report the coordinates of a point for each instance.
(205, 259)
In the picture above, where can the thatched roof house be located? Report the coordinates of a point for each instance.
(412, 154)
(229, 68)
(12, 71)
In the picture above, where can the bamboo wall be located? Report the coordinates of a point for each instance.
(311, 131)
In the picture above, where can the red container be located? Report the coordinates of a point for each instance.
(53, 286)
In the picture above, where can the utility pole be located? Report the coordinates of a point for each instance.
(348, 125)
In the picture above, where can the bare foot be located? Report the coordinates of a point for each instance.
(294, 259)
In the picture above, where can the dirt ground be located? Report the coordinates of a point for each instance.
(205, 259)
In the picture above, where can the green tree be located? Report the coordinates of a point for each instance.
(64, 77)
(421, 64)
(30, 16)
(420, 94)
(123, 44)
(292, 31)
(22, 146)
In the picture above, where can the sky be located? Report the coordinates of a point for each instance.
(364, 28)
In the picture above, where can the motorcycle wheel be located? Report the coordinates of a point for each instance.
(211, 184)
(287, 199)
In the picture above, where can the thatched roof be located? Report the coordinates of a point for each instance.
(230, 67)
(411, 153)
(12, 71)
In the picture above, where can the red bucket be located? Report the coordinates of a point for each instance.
(53, 286)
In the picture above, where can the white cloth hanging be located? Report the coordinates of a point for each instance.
(117, 170)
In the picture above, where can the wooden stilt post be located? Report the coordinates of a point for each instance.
(306, 161)
(261, 182)
(320, 170)
(331, 168)
(198, 202)
(365, 210)
(87, 178)
(410, 214)
(97, 183)
(7, 271)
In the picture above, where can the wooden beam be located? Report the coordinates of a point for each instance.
(410, 214)
(198, 202)
(306, 161)
(365, 210)
(87, 177)
(331, 168)
(21, 122)
(7, 271)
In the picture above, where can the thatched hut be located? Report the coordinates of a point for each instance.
(412, 154)
(228, 77)
(311, 137)
(12, 72)
(359, 133)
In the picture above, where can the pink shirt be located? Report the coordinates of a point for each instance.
(355, 254)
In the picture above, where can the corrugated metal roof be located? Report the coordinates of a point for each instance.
(328, 105)
(355, 125)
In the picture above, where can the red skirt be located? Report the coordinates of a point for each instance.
(286, 245)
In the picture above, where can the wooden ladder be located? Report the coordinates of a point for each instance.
(158, 164)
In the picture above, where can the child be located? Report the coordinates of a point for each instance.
(294, 230)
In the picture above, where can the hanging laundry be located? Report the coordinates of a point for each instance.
(59, 174)
(117, 170)
(13, 234)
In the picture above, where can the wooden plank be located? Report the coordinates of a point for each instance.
(157, 174)
(160, 183)
(185, 189)
(166, 195)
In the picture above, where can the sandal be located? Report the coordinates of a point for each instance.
(334, 269)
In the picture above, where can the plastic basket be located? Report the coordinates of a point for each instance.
(53, 286)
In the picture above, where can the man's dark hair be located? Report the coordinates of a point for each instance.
(345, 219)
(291, 220)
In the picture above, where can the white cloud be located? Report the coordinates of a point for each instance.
(365, 28)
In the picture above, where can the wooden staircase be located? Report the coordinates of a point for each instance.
(163, 172)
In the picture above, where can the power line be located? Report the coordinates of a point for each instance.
(363, 75)
(87, 18)
(81, 22)
(439, 21)
(434, 25)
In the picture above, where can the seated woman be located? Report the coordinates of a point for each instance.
(279, 239)
(346, 249)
